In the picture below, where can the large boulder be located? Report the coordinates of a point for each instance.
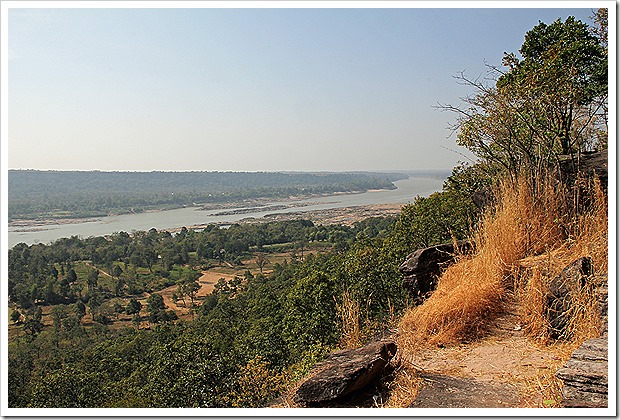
(422, 267)
(560, 295)
(585, 375)
(345, 372)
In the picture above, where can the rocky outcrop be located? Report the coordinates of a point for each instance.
(559, 297)
(442, 391)
(344, 373)
(585, 375)
(422, 267)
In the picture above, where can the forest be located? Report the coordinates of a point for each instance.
(89, 325)
(245, 342)
(74, 194)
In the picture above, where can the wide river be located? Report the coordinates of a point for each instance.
(407, 190)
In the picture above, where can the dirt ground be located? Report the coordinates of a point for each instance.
(504, 357)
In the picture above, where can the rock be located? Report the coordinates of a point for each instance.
(344, 372)
(603, 304)
(591, 163)
(558, 300)
(422, 267)
(585, 375)
(442, 391)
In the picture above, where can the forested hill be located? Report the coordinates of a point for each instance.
(35, 193)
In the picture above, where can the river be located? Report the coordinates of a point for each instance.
(407, 189)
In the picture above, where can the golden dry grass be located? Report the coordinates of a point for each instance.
(348, 311)
(588, 238)
(522, 244)
(528, 221)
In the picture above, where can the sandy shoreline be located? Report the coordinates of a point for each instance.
(342, 216)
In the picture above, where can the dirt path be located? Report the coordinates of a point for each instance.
(505, 359)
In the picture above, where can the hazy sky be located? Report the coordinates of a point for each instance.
(247, 89)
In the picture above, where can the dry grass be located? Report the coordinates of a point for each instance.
(588, 237)
(348, 311)
(529, 221)
(404, 387)
(522, 244)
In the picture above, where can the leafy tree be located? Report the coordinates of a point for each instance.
(15, 316)
(33, 324)
(550, 102)
(309, 313)
(256, 385)
(92, 279)
(155, 302)
(69, 387)
(71, 276)
(79, 309)
(133, 306)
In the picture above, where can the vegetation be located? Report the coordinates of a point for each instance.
(71, 194)
(271, 325)
(312, 288)
(479, 285)
(548, 107)
(550, 103)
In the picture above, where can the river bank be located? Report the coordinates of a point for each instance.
(354, 207)
(342, 216)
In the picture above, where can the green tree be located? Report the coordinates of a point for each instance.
(70, 387)
(310, 313)
(133, 306)
(92, 279)
(156, 308)
(155, 302)
(15, 316)
(79, 309)
(550, 102)
(33, 324)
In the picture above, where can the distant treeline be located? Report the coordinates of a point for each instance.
(53, 194)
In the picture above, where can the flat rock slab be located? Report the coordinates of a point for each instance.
(442, 391)
(585, 375)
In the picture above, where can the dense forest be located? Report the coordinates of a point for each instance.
(304, 290)
(245, 342)
(52, 194)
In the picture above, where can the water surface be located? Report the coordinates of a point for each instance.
(406, 191)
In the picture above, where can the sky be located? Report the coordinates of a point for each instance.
(248, 89)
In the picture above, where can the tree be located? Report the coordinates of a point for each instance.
(94, 302)
(33, 323)
(133, 306)
(71, 276)
(155, 302)
(564, 66)
(550, 102)
(15, 316)
(79, 309)
(117, 270)
(309, 313)
(135, 320)
(93, 279)
(156, 308)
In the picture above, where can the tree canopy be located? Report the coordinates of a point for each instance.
(550, 102)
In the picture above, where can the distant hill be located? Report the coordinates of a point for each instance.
(53, 194)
